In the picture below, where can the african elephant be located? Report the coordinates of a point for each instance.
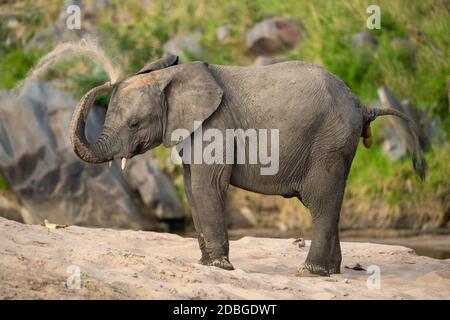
(319, 123)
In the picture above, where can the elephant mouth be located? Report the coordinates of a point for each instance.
(138, 149)
(123, 162)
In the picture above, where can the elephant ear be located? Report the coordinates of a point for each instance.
(166, 61)
(192, 94)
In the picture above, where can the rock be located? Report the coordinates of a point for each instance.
(90, 11)
(40, 166)
(392, 145)
(222, 33)
(59, 32)
(433, 129)
(397, 135)
(406, 47)
(41, 263)
(364, 44)
(364, 40)
(154, 188)
(265, 60)
(12, 210)
(273, 35)
(184, 45)
(299, 242)
(356, 267)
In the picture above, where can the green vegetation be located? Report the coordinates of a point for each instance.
(3, 184)
(134, 35)
(14, 66)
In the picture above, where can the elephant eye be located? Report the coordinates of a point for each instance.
(134, 123)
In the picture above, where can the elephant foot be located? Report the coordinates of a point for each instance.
(335, 269)
(312, 270)
(222, 263)
(204, 259)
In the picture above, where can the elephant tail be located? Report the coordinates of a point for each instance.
(370, 114)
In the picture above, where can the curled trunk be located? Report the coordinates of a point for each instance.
(90, 152)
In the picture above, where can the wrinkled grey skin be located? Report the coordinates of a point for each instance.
(319, 120)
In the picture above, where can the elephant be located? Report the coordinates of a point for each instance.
(319, 122)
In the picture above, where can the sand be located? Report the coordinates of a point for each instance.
(36, 262)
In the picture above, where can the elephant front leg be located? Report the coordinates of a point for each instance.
(201, 240)
(206, 189)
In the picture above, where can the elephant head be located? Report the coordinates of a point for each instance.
(145, 108)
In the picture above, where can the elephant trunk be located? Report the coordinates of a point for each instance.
(98, 151)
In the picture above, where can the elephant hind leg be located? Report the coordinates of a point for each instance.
(336, 255)
(323, 195)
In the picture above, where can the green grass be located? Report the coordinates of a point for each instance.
(328, 27)
(326, 40)
(3, 183)
(14, 66)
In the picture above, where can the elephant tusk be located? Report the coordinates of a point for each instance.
(110, 163)
(124, 162)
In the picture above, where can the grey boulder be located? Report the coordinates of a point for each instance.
(364, 40)
(50, 181)
(397, 136)
(184, 45)
(222, 33)
(265, 60)
(273, 35)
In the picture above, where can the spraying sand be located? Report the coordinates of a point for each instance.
(87, 47)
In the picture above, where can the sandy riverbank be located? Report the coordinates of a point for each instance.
(147, 265)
